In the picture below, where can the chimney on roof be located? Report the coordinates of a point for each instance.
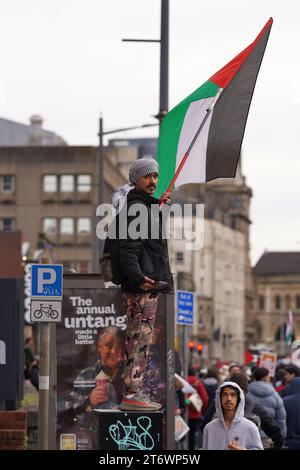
(36, 120)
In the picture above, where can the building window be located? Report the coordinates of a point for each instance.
(67, 226)
(6, 223)
(83, 266)
(180, 258)
(238, 202)
(277, 302)
(69, 265)
(297, 301)
(50, 226)
(84, 183)
(7, 183)
(50, 183)
(228, 298)
(83, 226)
(67, 183)
(261, 302)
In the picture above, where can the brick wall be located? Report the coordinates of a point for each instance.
(11, 254)
(13, 430)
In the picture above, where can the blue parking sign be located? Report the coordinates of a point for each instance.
(185, 307)
(46, 281)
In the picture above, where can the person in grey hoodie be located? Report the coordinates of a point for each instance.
(231, 431)
(261, 391)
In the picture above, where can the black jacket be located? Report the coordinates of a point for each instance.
(132, 259)
(268, 423)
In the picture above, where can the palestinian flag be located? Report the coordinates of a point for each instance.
(289, 329)
(215, 152)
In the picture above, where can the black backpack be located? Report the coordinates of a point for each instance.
(252, 416)
(109, 262)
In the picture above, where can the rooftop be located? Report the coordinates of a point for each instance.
(278, 262)
(16, 134)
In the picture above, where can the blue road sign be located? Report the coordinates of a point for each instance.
(46, 281)
(185, 308)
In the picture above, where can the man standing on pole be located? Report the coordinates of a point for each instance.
(141, 264)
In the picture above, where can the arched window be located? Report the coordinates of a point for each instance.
(277, 302)
(261, 302)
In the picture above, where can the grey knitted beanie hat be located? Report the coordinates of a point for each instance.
(142, 167)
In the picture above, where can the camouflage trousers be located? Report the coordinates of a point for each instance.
(141, 312)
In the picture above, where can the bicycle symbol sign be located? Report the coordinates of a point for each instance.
(45, 311)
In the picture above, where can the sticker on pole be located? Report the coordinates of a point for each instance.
(45, 311)
(46, 281)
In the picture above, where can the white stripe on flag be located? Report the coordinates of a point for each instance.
(194, 170)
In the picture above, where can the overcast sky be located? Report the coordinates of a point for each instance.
(64, 59)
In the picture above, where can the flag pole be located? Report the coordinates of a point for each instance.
(186, 155)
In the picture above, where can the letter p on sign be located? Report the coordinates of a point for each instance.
(46, 281)
(46, 277)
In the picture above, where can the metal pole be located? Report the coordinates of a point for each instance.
(185, 350)
(164, 61)
(98, 244)
(101, 163)
(170, 323)
(95, 265)
(44, 379)
(101, 177)
(282, 348)
(52, 389)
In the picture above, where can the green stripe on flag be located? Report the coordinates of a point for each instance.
(170, 134)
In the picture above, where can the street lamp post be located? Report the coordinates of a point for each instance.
(164, 60)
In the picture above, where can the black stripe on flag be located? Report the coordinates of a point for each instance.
(230, 116)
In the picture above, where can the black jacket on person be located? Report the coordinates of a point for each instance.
(132, 259)
(268, 423)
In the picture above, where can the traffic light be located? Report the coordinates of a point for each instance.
(199, 348)
(191, 345)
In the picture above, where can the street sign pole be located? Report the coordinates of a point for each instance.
(44, 382)
(44, 379)
(46, 297)
(185, 350)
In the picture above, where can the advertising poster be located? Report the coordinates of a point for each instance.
(90, 360)
(269, 360)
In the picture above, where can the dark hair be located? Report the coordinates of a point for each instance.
(213, 372)
(233, 388)
(260, 373)
(27, 340)
(280, 373)
(241, 380)
(293, 369)
(192, 371)
(234, 365)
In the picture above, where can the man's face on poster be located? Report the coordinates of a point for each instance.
(111, 350)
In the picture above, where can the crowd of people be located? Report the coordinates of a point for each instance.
(242, 410)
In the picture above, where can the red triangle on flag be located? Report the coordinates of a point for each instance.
(248, 357)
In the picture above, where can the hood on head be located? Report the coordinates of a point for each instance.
(261, 389)
(240, 409)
